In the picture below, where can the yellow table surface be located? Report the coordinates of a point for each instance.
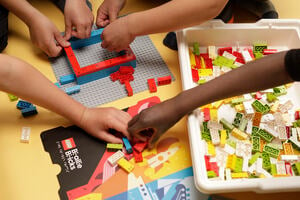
(26, 171)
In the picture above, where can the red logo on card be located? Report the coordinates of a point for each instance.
(68, 144)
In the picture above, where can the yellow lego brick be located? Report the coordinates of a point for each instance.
(239, 108)
(262, 176)
(192, 59)
(127, 166)
(281, 175)
(231, 161)
(228, 100)
(239, 175)
(115, 147)
(213, 114)
(91, 196)
(217, 104)
(275, 106)
(203, 65)
(288, 149)
(239, 134)
(205, 72)
(223, 138)
(211, 149)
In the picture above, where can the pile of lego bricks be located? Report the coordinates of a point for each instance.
(27, 109)
(263, 139)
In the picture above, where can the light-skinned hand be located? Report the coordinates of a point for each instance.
(108, 12)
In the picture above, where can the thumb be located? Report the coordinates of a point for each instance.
(60, 39)
(68, 30)
(134, 128)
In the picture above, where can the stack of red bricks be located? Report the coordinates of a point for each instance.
(124, 75)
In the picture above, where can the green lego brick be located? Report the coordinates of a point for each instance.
(254, 158)
(12, 97)
(258, 55)
(237, 119)
(259, 107)
(211, 174)
(114, 147)
(266, 161)
(255, 130)
(278, 91)
(196, 48)
(273, 152)
(243, 124)
(296, 168)
(259, 47)
(296, 123)
(255, 144)
(273, 169)
(204, 127)
(206, 136)
(223, 62)
(265, 135)
(237, 101)
(201, 81)
(238, 165)
(271, 97)
(226, 124)
(231, 143)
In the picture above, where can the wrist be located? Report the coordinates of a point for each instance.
(131, 23)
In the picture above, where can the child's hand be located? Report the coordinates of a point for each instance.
(108, 12)
(78, 19)
(46, 36)
(157, 119)
(97, 122)
(117, 36)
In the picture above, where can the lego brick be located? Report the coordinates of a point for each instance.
(269, 51)
(138, 157)
(255, 144)
(196, 49)
(237, 120)
(93, 39)
(113, 159)
(228, 55)
(211, 174)
(266, 161)
(273, 169)
(57, 84)
(223, 138)
(289, 158)
(238, 165)
(128, 88)
(226, 124)
(215, 137)
(72, 90)
(279, 91)
(23, 104)
(231, 161)
(229, 149)
(214, 167)
(205, 72)
(271, 151)
(222, 50)
(124, 164)
(67, 79)
(26, 112)
(152, 85)
(164, 80)
(25, 134)
(214, 125)
(212, 52)
(243, 149)
(239, 134)
(239, 175)
(206, 112)
(265, 135)
(140, 146)
(114, 147)
(259, 46)
(127, 145)
(239, 57)
(228, 174)
(288, 148)
(211, 149)
(296, 168)
(271, 97)
(248, 55)
(192, 59)
(254, 158)
(126, 70)
(259, 107)
(12, 97)
(256, 119)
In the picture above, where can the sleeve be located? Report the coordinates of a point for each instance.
(292, 63)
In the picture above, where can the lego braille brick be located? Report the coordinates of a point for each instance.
(124, 164)
(67, 79)
(152, 85)
(26, 112)
(114, 147)
(127, 145)
(73, 89)
(149, 65)
(23, 104)
(164, 80)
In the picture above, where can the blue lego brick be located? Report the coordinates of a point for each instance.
(23, 104)
(94, 39)
(127, 145)
(67, 79)
(57, 84)
(26, 112)
(102, 73)
(73, 89)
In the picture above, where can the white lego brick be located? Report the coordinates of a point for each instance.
(25, 135)
(243, 149)
(252, 167)
(270, 90)
(214, 125)
(247, 96)
(215, 137)
(282, 132)
(248, 107)
(294, 133)
(212, 159)
(221, 157)
(226, 69)
(280, 166)
(228, 174)
(246, 55)
(238, 64)
(286, 106)
(228, 149)
(222, 173)
(212, 53)
(229, 55)
(259, 163)
(289, 158)
(287, 119)
(113, 159)
(273, 160)
(294, 140)
(216, 71)
(269, 130)
(277, 143)
(245, 164)
(249, 128)
(267, 118)
(265, 173)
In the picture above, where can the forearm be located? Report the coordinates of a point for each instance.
(21, 79)
(174, 15)
(261, 74)
(22, 9)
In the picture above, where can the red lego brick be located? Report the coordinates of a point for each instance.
(258, 95)
(198, 62)
(239, 57)
(195, 75)
(72, 59)
(221, 50)
(207, 163)
(269, 51)
(214, 167)
(164, 80)
(115, 76)
(204, 55)
(251, 53)
(288, 168)
(126, 70)
(128, 88)
(140, 146)
(206, 112)
(288, 131)
(152, 85)
(297, 115)
(137, 156)
(208, 63)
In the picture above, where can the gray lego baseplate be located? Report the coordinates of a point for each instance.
(149, 65)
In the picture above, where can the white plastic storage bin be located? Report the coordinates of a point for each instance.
(279, 34)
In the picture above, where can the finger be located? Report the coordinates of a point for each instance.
(80, 32)
(119, 125)
(112, 15)
(68, 30)
(133, 120)
(61, 40)
(53, 50)
(101, 18)
(153, 140)
(109, 138)
(88, 31)
(135, 129)
(104, 44)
